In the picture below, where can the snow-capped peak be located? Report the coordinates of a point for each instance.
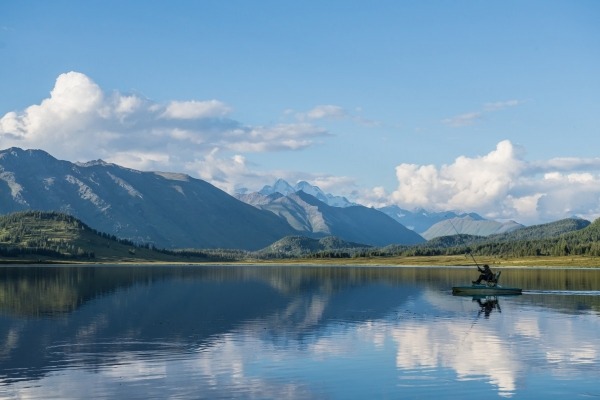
(283, 187)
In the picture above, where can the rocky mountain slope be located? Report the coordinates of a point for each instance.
(163, 209)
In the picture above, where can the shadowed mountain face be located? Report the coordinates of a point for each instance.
(166, 210)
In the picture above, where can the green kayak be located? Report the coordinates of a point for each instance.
(491, 288)
(484, 290)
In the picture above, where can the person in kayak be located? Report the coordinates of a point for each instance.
(486, 274)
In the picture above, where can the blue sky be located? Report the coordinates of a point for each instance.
(492, 107)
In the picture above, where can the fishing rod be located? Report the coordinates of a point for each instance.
(469, 251)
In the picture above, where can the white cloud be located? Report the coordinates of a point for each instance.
(333, 112)
(74, 102)
(196, 109)
(473, 117)
(127, 104)
(468, 183)
(503, 185)
(325, 111)
(274, 138)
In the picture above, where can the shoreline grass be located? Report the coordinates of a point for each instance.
(451, 261)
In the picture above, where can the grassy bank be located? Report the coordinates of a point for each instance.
(577, 261)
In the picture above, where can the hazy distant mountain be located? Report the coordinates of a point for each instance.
(435, 224)
(469, 225)
(165, 209)
(312, 217)
(419, 220)
(281, 186)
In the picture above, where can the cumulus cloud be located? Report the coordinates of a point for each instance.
(74, 102)
(80, 122)
(501, 185)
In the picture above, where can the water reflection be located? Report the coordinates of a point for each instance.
(487, 305)
(277, 332)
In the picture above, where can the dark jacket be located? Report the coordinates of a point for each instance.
(486, 272)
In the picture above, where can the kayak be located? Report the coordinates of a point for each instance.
(484, 290)
(491, 288)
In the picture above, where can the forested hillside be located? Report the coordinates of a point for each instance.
(543, 231)
(562, 238)
(51, 236)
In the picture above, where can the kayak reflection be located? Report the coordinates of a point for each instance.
(487, 304)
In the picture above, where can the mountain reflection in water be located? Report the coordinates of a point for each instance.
(294, 332)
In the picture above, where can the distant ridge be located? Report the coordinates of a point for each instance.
(434, 224)
(419, 220)
(542, 231)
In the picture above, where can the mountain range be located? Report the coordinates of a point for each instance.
(163, 209)
(282, 199)
(169, 210)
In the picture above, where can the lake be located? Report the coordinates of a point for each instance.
(275, 332)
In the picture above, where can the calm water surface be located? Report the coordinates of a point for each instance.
(295, 333)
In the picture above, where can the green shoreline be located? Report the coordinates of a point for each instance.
(450, 261)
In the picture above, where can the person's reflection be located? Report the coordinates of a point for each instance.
(487, 304)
